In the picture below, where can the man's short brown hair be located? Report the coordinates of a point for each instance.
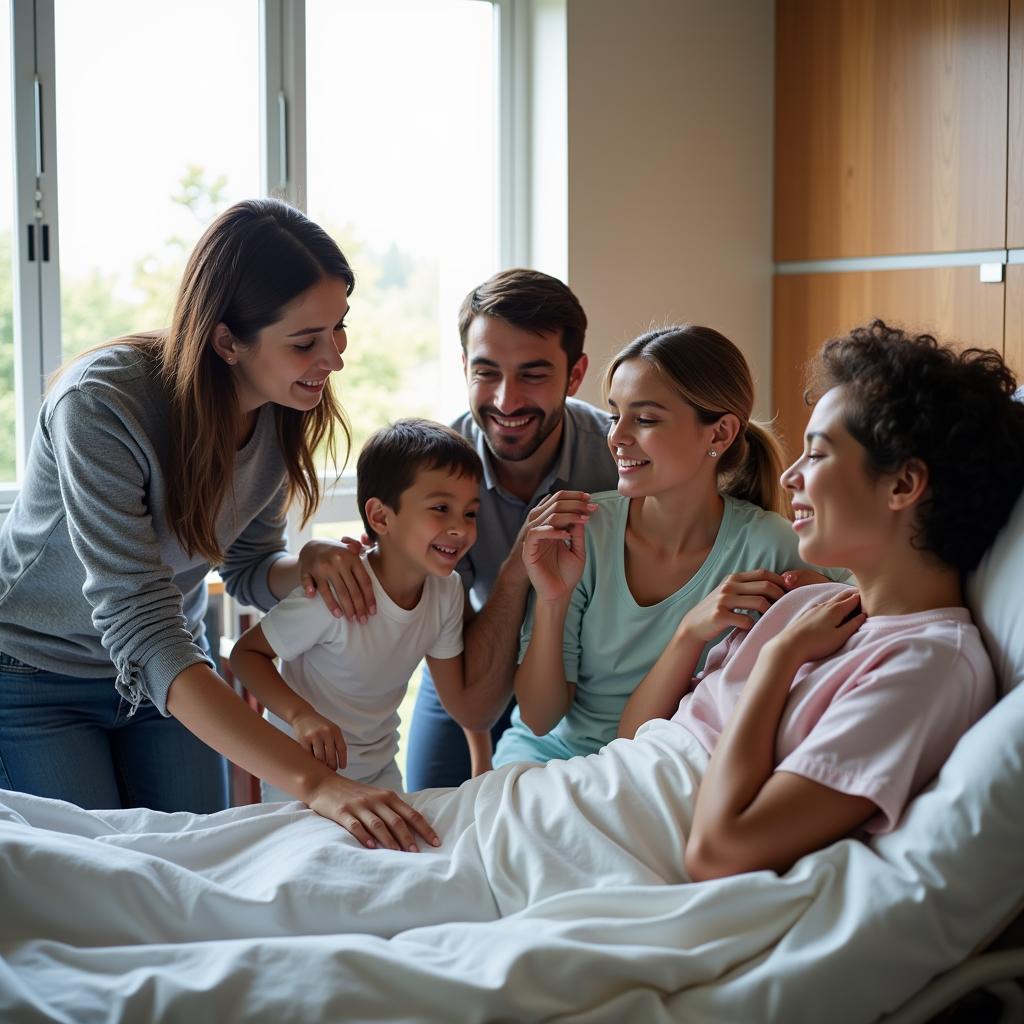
(532, 301)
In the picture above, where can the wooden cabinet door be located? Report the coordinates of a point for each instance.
(950, 302)
(1014, 350)
(891, 123)
(1015, 181)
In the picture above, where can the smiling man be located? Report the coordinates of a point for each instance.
(522, 341)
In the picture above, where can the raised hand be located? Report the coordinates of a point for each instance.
(822, 629)
(753, 591)
(553, 548)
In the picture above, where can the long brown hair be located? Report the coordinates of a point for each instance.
(710, 374)
(254, 259)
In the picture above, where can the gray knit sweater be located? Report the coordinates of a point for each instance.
(90, 571)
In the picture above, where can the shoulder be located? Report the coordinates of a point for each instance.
(296, 610)
(587, 418)
(445, 589)
(466, 426)
(748, 515)
(604, 526)
(122, 377)
(112, 366)
(759, 531)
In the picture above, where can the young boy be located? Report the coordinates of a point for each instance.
(341, 682)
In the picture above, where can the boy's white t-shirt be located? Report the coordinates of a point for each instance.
(356, 675)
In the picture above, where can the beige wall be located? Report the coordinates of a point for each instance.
(670, 171)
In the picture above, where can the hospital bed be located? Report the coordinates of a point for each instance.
(243, 923)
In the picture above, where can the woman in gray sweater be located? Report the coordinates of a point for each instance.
(156, 457)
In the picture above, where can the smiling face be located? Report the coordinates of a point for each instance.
(657, 440)
(435, 524)
(518, 381)
(290, 361)
(843, 513)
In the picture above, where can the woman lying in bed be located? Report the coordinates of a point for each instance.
(841, 703)
(822, 721)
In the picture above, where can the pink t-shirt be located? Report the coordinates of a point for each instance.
(878, 718)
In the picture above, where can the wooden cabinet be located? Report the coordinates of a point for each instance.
(1014, 343)
(809, 308)
(891, 120)
(1015, 179)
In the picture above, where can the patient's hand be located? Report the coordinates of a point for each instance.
(756, 591)
(822, 629)
(376, 817)
(321, 737)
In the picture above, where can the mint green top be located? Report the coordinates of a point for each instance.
(611, 642)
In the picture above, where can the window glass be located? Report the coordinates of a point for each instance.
(7, 408)
(401, 136)
(157, 132)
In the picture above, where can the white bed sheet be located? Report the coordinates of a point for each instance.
(277, 915)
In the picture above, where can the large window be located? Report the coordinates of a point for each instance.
(157, 131)
(401, 128)
(140, 122)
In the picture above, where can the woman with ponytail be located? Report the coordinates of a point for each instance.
(156, 457)
(696, 526)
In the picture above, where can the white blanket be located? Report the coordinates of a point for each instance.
(558, 894)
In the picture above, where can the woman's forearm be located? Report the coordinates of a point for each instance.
(543, 693)
(743, 759)
(210, 709)
(660, 691)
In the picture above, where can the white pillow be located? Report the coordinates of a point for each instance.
(995, 594)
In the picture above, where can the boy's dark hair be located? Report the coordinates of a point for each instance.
(394, 455)
(531, 300)
(909, 397)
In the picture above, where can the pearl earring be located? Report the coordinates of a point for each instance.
(713, 453)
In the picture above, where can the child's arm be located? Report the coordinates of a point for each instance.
(252, 662)
(481, 751)
(671, 676)
(747, 816)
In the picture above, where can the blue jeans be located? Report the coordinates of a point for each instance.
(71, 739)
(438, 754)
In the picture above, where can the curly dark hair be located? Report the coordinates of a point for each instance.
(908, 396)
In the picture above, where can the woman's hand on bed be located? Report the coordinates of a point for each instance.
(822, 629)
(724, 607)
(376, 817)
(553, 550)
(321, 737)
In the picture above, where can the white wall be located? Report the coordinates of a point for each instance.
(669, 137)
